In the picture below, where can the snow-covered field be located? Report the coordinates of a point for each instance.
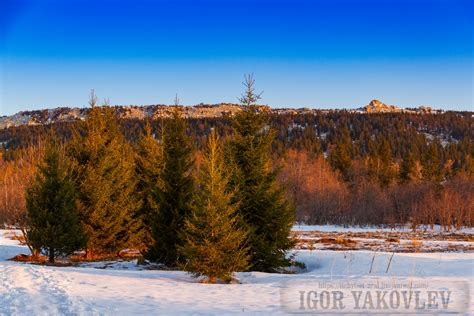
(400, 239)
(124, 289)
(356, 229)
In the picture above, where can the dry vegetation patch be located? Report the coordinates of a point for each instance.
(391, 241)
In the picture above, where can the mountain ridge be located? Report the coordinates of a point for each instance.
(66, 114)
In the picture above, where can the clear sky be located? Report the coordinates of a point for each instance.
(322, 54)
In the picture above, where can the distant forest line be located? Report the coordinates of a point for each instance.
(338, 167)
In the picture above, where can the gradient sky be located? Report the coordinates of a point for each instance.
(321, 54)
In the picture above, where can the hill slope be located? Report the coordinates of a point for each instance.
(65, 114)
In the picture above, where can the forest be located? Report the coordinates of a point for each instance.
(337, 166)
(96, 195)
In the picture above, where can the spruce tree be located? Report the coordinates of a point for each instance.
(149, 165)
(53, 223)
(340, 159)
(213, 241)
(407, 169)
(380, 162)
(265, 212)
(431, 165)
(104, 173)
(386, 173)
(176, 194)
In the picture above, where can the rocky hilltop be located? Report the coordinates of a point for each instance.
(126, 112)
(376, 106)
(65, 114)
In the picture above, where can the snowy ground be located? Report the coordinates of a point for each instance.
(124, 289)
(401, 239)
(355, 229)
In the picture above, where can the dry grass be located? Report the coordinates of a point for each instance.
(345, 241)
(102, 257)
(18, 237)
(29, 258)
(416, 243)
(326, 240)
(385, 241)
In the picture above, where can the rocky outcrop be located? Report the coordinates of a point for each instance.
(376, 106)
(65, 114)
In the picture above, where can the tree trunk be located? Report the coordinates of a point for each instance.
(35, 253)
(51, 255)
(88, 253)
(212, 279)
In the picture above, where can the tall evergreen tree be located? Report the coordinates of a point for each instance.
(340, 154)
(431, 165)
(340, 159)
(407, 169)
(51, 206)
(149, 165)
(176, 195)
(380, 163)
(213, 238)
(105, 179)
(265, 212)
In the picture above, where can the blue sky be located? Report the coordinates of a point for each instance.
(322, 54)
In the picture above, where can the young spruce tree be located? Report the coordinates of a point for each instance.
(104, 173)
(213, 239)
(265, 212)
(53, 223)
(149, 165)
(176, 194)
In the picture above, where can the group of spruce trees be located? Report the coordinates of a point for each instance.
(100, 194)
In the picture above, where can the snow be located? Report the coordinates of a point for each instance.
(122, 288)
(444, 139)
(373, 229)
(8, 247)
